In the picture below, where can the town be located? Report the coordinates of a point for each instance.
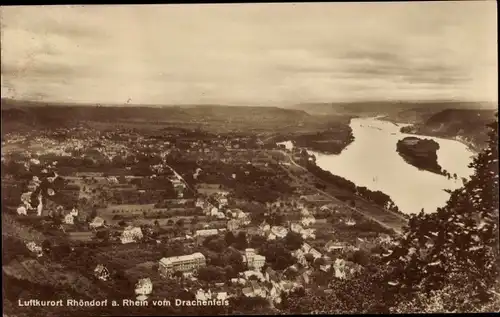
(212, 216)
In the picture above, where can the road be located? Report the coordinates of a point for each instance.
(397, 229)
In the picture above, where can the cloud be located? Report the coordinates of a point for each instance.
(251, 54)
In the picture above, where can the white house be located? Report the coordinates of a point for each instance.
(254, 261)
(206, 232)
(308, 233)
(131, 234)
(69, 219)
(21, 210)
(279, 231)
(350, 222)
(214, 211)
(35, 248)
(96, 223)
(74, 212)
(307, 221)
(306, 248)
(144, 287)
(200, 203)
(339, 267)
(296, 227)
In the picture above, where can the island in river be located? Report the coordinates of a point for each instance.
(421, 153)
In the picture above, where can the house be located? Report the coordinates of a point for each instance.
(233, 224)
(307, 221)
(325, 267)
(222, 201)
(306, 248)
(339, 267)
(264, 228)
(184, 263)
(254, 261)
(35, 248)
(295, 227)
(279, 231)
(101, 272)
(131, 234)
(214, 211)
(350, 222)
(308, 233)
(239, 280)
(247, 274)
(21, 210)
(331, 246)
(206, 232)
(238, 213)
(221, 296)
(384, 238)
(202, 295)
(69, 219)
(96, 223)
(74, 212)
(254, 290)
(325, 208)
(200, 203)
(144, 286)
(300, 256)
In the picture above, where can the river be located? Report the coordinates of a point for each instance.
(372, 161)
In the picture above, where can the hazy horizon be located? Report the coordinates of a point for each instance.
(251, 54)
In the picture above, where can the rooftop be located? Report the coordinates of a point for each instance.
(186, 257)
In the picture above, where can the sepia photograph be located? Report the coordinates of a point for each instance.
(249, 159)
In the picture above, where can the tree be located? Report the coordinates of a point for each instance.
(309, 258)
(293, 241)
(277, 255)
(93, 213)
(216, 244)
(241, 242)
(180, 223)
(360, 257)
(229, 238)
(257, 241)
(178, 274)
(211, 274)
(456, 247)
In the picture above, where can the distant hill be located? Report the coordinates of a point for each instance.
(465, 124)
(388, 108)
(19, 113)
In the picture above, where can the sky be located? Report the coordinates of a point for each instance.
(250, 54)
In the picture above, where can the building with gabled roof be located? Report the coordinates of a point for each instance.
(101, 272)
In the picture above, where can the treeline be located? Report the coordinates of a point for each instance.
(332, 141)
(381, 199)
